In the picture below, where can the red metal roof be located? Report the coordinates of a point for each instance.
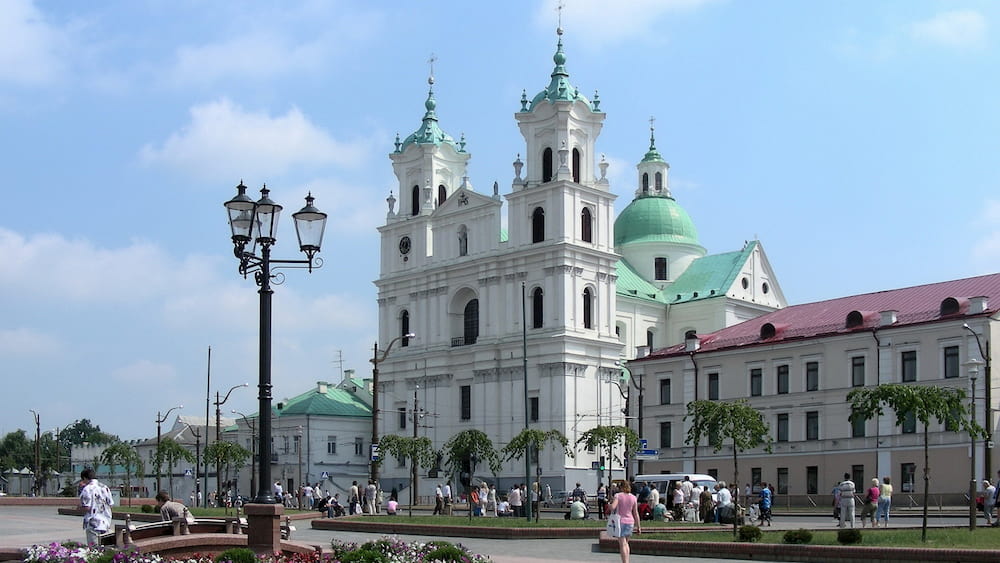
(913, 305)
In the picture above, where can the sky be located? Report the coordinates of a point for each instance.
(856, 139)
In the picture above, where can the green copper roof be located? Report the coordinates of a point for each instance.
(559, 88)
(652, 218)
(708, 276)
(631, 284)
(429, 133)
(335, 402)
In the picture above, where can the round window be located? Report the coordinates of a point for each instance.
(765, 288)
(746, 283)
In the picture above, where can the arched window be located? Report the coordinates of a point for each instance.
(470, 330)
(659, 180)
(463, 241)
(538, 225)
(660, 268)
(588, 309)
(649, 340)
(547, 165)
(586, 225)
(442, 194)
(404, 327)
(645, 182)
(576, 165)
(536, 308)
(415, 200)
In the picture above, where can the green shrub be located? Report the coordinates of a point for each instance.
(147, 509)
(364, 555)
(749, 534)
(237, 555)
(106, 557)
(849, 536)
(447, 553)
(798, 536)
(385, 547)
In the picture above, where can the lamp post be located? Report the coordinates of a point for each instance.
(376, 360)
(35, 488)
(160, 420)
(524, 373)
(253, 449)
(973, 365)
(256, 224)
(988, 390)
(298, 450)
(218, 432)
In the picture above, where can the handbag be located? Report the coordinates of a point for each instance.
(614, 527)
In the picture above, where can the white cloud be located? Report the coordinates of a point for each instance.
(959, 28)
(222, 140)
(597, 22)
(256, 56)
(30, 48)
(144, 372)
(26, 342)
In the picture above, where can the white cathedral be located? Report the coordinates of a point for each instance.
(593, 290)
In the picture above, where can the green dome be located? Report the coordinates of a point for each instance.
(654, 219)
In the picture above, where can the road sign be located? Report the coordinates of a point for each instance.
(325, 475)
(647, 454)
(595, 465)
(376, 453)
(643, 444)
(188, 473)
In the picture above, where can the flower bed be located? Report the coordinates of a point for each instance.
(386, 550)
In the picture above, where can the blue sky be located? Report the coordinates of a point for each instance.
(856, 139)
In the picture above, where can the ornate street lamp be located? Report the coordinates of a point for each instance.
(253, 449)
(160, 420)
(256, 224)
(376, 360)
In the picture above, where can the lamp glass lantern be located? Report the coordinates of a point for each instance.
(309, 226)
(265, 219)
(240, 209)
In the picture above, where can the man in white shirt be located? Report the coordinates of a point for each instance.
(96, 500)
(514, 497)
(847, 490)
(438, 501)
(686, 487)
(654, 495)
(724, 499)
(447, 498)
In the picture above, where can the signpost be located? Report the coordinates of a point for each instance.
(646, 455)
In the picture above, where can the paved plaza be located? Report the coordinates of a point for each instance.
(22, 526)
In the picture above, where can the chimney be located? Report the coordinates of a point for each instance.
(691, 341)
(978, 304)
(321, 387)
(888, 318)
(641, 351)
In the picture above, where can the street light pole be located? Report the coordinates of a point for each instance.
(973, 376)
(253, 450)
(984, 355)
(160, 420)
(257, 222)
(35, 488)
(524, 372)
(376, 360)
(218, 435)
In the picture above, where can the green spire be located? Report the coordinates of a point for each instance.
(429, 132)
(652, 155)
(559, 88)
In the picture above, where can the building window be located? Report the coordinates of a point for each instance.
(782, 380)
(812, 479)
(442, 194)
(858, 474)
(951, 362)
(588, 309)
(664, 391)
(783, 427)
(284, 444)
(908, 364)
(756, 476)
(713, 387)
(576, 165)
(586, 225)
(910, 423)
(812, 425)
(402, 418)
(660, 269)
(756, 382)
(547, 165)
(645, 182)
(658, 179)
(665, 440)
(463, 241)
(858, 371)
(331, 445)
(415, 200)
(909, 473)
(533, 409)
(470, 327)
(465, 400)
(858, 425)
(536, 308)
(649, 340)
(782, 480)
(538, 225)
(404, 328)
(812, 376)
(359, 447)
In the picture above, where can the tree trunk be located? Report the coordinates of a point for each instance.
(927, 485)
(736, 482)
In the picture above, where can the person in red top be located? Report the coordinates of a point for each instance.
(625, 505)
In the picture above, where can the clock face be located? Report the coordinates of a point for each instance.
(404, 245)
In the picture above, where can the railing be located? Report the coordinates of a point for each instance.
(463, 341)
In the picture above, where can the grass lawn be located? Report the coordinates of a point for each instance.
(981, 538)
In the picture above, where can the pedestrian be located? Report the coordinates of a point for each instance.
(654, 495)
(724, 505)
(869, 510)
(438, 501)
(847, 490)
(884, 501)
(170, 509)
(706, 506)
(514, 498)
(279, 492)
(579, 493)
(447, 497)
(625, 505)
(602, 501)
(548, 494)
(96, 501)
(989, 501)
(371, 491)
(747, 491)
(765, 504)
(353, 499)
(678, 502)
(536, 492)
(491, 500)
(687, 486)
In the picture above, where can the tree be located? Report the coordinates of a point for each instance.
(719, 421)
(170, 452)
(225, 455)
(605, 438)
(420, 450)
(924, 402)
(82, 431)
(535, 440)
(16, 451)
(464, 451)
(125, 455)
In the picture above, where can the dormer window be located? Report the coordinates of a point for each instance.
(950, 306)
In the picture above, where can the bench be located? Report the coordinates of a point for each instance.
(129, 533)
